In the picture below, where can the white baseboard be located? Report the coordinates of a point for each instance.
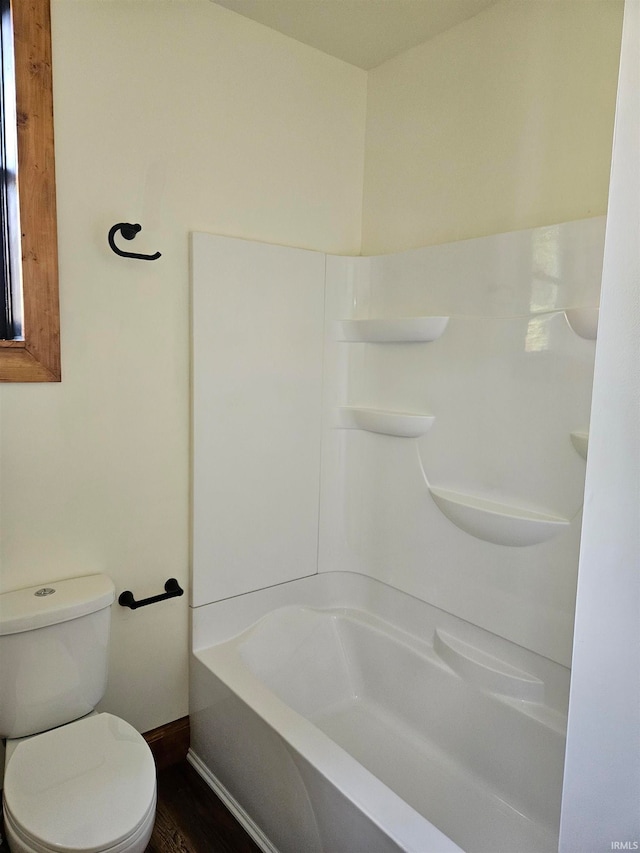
(231, 803)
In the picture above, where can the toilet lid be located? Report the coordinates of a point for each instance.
(84, 786)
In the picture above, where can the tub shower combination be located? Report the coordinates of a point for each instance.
(387, 481)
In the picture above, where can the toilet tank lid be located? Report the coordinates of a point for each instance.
(37, 607)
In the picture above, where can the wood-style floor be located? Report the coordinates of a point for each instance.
(191, 819)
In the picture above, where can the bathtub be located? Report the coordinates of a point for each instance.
(335, 713)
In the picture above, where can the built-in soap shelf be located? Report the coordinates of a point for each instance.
(402, 424)
(392, 330)
(486, 671)
(495, 522)
(580, 441)
(583, 321)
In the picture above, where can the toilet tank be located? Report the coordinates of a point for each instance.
(54, 647)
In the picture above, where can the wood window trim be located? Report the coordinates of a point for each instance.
(37, 357)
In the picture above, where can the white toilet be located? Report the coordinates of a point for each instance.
(75, 781)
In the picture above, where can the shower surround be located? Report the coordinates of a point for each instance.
(418, 422)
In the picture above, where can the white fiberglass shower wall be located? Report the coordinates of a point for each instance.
(457, 478)
(421, 418)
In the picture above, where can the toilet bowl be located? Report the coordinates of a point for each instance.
(76, 781)
(86, 787)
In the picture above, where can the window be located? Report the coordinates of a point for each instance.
(30, 351)
(11, 287)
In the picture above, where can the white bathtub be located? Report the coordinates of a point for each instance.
(335, 713)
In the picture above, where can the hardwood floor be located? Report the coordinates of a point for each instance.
(191, 819)
(189, 816)
(4, 847)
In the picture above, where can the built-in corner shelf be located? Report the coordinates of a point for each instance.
(403, 424)
(495, 522)
(394, 330)
(583, 321)
(487, 671)
(580, 441)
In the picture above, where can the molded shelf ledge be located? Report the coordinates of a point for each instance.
(487, 671)
(583, 321)
(403, 424)
(497, 523)
(395, 330)
(580, 441)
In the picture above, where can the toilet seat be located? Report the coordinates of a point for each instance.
(86, 787)
(136, 843)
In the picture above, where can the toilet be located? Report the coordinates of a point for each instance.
(76, 781)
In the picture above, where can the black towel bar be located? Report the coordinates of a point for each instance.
(172, 588)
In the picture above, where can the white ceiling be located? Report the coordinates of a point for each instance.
(362, 32)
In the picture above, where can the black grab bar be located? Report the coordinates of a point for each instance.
(172, 588)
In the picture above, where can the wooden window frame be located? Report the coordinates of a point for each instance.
(37, 357)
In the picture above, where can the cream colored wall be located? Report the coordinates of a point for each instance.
(501, 123)
(601, 788)
(180, 116)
